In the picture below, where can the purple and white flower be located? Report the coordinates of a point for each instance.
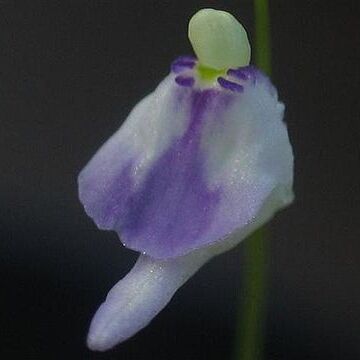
(197, 166)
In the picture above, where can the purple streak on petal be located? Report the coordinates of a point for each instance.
(245, 73)
(183, 63)
(230, 85)
(238, 73)
(169, 210)
(174, 207)
(186, 81)
(179, 67)
(114, 207)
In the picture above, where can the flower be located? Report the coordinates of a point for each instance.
(197, 166)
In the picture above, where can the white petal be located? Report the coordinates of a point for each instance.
(136, 299)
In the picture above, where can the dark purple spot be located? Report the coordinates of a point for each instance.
(226, 84)
(187, 81)
(245, 73)
(239, 74)
(183, 63)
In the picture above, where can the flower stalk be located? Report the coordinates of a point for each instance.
(251, 320)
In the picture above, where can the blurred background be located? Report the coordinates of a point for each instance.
(70, 72)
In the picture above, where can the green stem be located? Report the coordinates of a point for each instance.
(252, 311)
(251, 316)
(262, 35)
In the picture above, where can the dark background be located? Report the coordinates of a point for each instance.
(70, 71)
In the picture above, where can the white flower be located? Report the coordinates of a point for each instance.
(197, 166)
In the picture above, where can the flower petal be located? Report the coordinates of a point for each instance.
(190, 165)
(136, 299)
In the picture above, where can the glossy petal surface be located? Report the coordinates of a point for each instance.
(136, 299)
(191, 165)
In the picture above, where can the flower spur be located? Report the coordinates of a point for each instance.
(197, 166)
